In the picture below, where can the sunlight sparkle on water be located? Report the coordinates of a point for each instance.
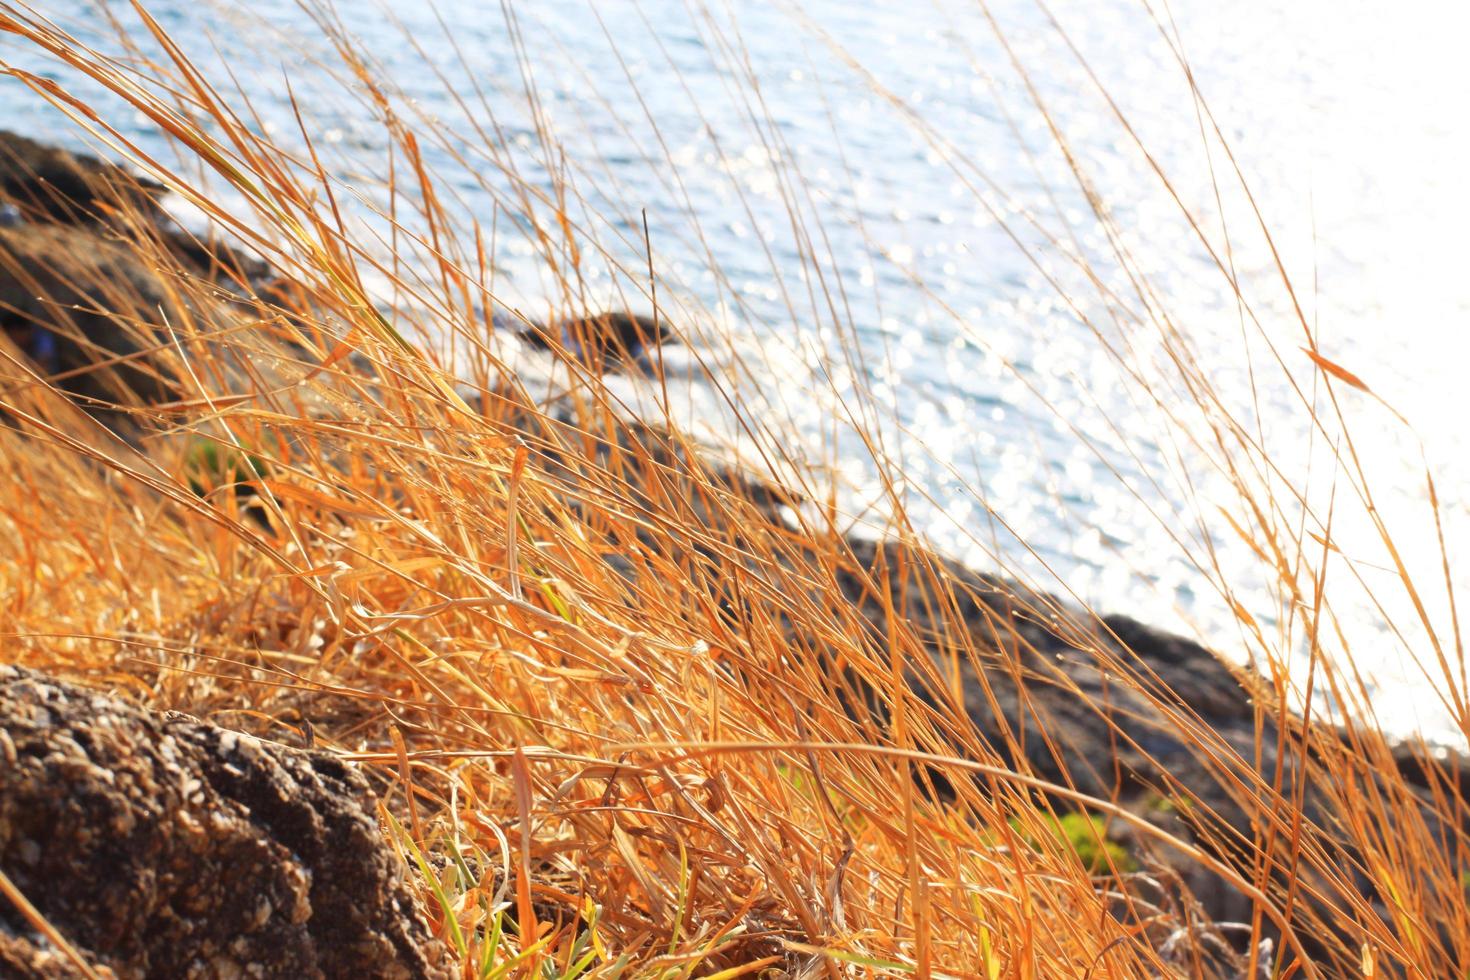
(948, 249)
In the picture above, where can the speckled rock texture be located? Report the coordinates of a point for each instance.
(166, 847)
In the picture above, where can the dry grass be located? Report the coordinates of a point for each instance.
(605, 686)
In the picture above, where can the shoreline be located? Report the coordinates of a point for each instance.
(1055, 670)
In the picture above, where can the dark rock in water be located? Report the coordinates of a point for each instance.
(603, 339)
(47, 183)
(166, 847)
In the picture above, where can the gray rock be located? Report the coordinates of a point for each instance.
(166, 847)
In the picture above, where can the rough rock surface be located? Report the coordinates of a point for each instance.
(166, 847)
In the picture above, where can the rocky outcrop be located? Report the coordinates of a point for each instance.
(86, 253)
(1043, 672)
(1178, 742)
(166, 847)
(81, 307)
(47, 183)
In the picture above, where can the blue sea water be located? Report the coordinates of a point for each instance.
(903, 173)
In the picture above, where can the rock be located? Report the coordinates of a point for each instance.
(603, 340)
(42, 184)
(1048, 676)
(211, 258)
(47, 183)
(74, 296)
(1041, 672)
(79, 305)
(167, 847)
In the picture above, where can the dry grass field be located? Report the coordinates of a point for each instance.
(633, 708)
